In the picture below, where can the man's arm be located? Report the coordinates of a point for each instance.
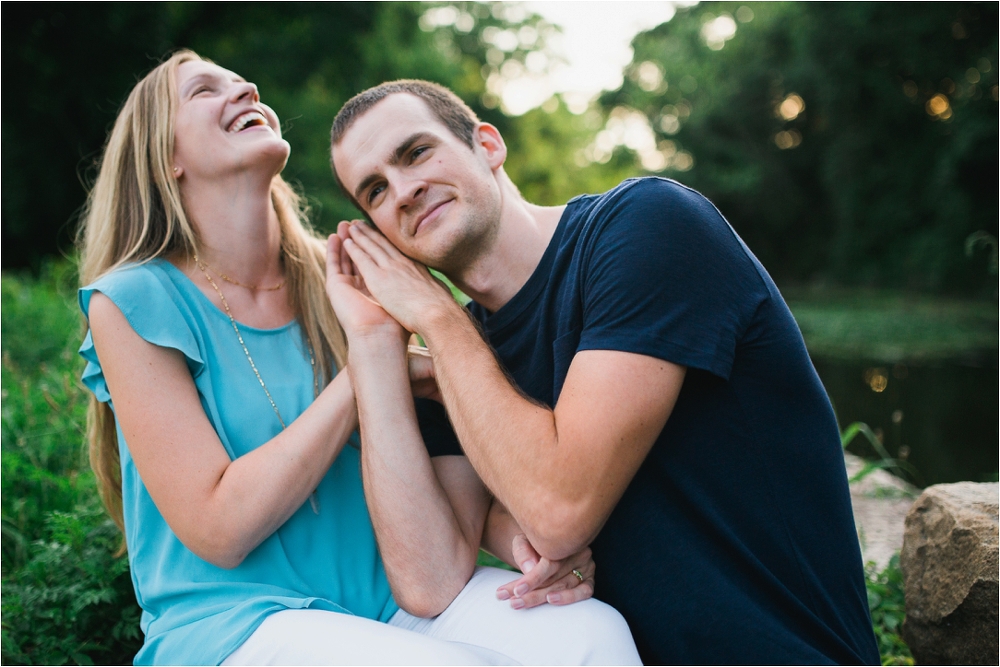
(560, 472)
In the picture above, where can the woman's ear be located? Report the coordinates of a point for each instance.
(489, 140)
(178, 172)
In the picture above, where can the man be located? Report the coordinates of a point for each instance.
(643, 387)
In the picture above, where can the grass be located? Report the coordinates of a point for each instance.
(68, 600)
(893, 326)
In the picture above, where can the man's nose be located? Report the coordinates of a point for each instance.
(411, 191)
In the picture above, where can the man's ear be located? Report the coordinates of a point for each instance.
(489, 140)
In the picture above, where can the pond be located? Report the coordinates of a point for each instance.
(941, 418)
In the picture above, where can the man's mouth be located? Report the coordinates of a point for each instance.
(247, 120)
(432, 213)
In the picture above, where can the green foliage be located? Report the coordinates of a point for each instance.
(66, 597)
(884, 160)
(72, 602)
(307, 59)
(891, 326)
(888, 610)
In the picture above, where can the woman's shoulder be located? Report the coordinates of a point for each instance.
(157, 301)
(150, 286)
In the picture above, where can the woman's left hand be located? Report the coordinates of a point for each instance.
(549, 581)
(357, 311)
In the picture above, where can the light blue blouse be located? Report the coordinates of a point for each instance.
(192, 611)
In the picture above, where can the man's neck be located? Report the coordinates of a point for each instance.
(524, 233)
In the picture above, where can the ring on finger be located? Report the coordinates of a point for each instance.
(579, 575)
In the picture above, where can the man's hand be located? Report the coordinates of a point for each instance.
(554, 582)
(406, 289)
(421, 367)
(356, 310)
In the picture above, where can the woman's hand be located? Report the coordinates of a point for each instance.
(357, 311)
(543, 580)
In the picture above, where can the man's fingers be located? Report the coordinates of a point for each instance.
(365, 238)
(379, 240)
(363, 262)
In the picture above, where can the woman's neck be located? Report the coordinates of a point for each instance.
(239, 230)
(239, 266)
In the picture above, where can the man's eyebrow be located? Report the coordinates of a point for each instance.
(394, 159)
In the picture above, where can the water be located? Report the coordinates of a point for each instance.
(942, 419)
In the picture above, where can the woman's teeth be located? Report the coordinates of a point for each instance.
(246, 120)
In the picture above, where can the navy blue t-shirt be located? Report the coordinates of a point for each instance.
(735, 541)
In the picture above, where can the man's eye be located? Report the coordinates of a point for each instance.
(374, 192)
(418, 151)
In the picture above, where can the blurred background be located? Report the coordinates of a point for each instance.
(853, 146)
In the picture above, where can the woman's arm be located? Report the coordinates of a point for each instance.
(219, 508)
(428, 515)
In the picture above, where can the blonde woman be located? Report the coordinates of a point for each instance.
(222, 435)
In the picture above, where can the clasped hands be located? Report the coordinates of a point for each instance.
(377, 292)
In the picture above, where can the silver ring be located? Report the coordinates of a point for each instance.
(578, 575)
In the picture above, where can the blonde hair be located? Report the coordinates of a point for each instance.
(134, 214)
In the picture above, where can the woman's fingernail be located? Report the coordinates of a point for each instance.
(517, 603)
(553, 598)
(527, 566)
(503, 594)
(521, 589)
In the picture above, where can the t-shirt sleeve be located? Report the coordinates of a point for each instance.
(435, 427)
(666, 276)
(150, 305)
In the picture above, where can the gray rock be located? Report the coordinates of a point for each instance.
(949, 562)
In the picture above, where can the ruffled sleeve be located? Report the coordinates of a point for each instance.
(153, 308)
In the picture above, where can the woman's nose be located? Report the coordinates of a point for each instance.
(244, 89)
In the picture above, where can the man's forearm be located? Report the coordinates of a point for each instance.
(511, 441)
(427, 553)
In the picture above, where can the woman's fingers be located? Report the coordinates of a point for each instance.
(566, 590)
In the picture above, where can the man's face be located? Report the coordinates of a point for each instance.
(429, 193)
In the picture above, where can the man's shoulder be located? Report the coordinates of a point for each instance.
(650, 198)
(640, 188)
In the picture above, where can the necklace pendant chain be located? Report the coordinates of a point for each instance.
(313, 500)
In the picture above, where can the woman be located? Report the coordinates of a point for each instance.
(222, 435)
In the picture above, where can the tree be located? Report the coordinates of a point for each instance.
(846, 142)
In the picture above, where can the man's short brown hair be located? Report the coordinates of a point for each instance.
(446, 105)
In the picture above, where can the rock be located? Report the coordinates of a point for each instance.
(949, 562)
(880, 501)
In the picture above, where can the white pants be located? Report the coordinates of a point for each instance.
(476, 629)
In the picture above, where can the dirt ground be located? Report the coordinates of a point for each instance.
(881, 501)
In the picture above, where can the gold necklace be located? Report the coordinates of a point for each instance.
(313, 500)
(205, 268)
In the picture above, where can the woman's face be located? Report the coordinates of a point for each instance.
(221, 126)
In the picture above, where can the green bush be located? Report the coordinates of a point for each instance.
(885, 600)
(66, 597)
